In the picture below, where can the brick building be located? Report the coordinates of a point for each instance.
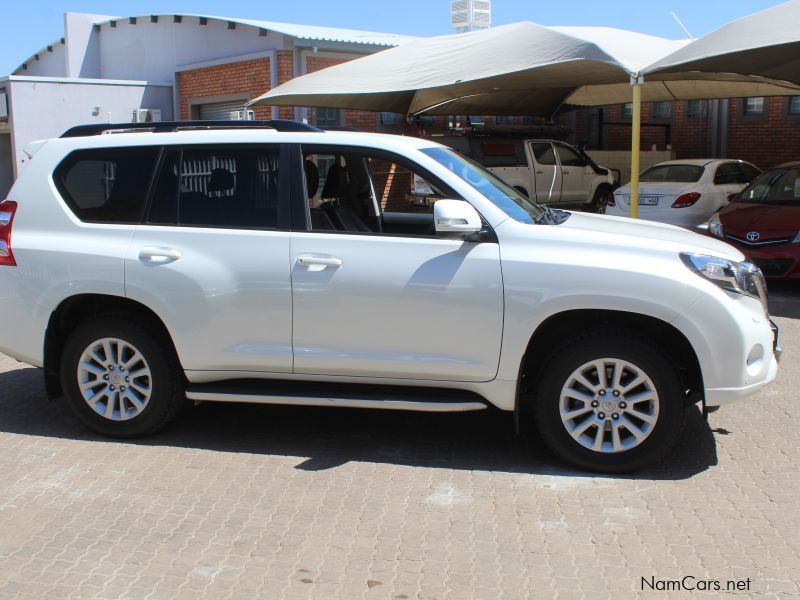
(764, 131)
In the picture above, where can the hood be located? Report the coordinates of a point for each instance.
(776, 219)
(631, 229)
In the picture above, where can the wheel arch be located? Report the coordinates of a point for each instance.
(74, 310)
(561, 326)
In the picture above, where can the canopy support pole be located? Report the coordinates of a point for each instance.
(636, 129)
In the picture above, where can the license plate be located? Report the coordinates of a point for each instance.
(648, 200)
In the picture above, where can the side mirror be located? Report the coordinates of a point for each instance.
(456, 218)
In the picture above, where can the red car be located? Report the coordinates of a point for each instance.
(763, 221)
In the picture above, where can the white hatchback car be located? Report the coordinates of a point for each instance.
(271, 262)
(685, 192)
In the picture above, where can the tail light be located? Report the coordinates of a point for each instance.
(686, 200)
(7, 210)
(611, 200)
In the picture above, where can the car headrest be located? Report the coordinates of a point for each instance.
(312, 178)
(221, 180)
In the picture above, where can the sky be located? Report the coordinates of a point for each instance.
(37, 23)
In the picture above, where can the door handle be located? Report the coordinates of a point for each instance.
(540, 172)
(158, 255)
(565, 172)
(309, 260)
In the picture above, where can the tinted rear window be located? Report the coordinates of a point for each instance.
(107, 185)
(673, 173)
(223, 186)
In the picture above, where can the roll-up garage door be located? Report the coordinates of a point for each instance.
(219, 111)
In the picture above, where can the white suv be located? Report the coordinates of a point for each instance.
(272, 262)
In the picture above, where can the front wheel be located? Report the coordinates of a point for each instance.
(609, 402)
(120, 378)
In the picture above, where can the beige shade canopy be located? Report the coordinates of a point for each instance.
(524, 68)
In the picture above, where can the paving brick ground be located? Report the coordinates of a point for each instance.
(266, 502)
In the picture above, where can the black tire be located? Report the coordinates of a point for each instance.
(612, 344)
(600, 200)
(167, 396)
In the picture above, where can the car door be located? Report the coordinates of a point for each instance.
(574, 186)
(546, 172)
(376, 293)
(212, 258)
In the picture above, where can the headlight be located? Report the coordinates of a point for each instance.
(738, 277)
(715, 227)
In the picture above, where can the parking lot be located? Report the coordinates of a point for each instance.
(248, 501)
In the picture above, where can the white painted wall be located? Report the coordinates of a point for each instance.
(154, 51)
(83, 45)
(42, 108)
(50, 64)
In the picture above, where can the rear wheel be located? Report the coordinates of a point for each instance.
(119, 378)
(600, 200)
(609, 402)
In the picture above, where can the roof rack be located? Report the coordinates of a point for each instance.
(170, 126)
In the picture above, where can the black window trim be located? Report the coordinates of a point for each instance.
(300, 219)
(65, 196)
(283, 218)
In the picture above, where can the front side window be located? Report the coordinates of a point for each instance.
(779, 186)
(358, 190)
(227, 187)
(673, 173)
(107, 185)
(569, 157)
(505, 197)
(543, 153)
(749, 172)
(727, 173)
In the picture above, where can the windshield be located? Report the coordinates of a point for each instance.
(779, 186)
(672, 173)
(501, 194)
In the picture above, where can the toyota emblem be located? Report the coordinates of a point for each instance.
(752, 236)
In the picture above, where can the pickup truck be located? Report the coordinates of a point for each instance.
(548, 171)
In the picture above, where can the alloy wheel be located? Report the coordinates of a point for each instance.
(114, 379)
(609, 405)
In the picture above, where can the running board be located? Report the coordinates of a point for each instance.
(427, 399)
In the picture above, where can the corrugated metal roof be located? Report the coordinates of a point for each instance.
(306, 32)
(332, 34)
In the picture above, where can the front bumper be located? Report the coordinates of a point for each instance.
(718, 396)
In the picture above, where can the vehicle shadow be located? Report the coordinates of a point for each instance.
(330, 437)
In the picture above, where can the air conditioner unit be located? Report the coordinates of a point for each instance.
(146, 115)
(243, 115)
